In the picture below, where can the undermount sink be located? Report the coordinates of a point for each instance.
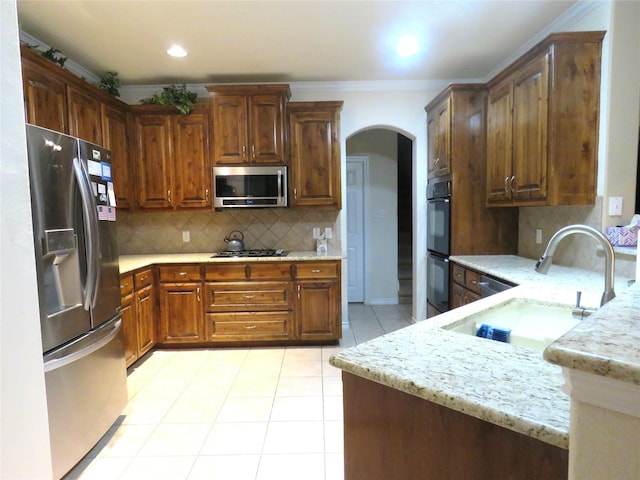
(533, 324)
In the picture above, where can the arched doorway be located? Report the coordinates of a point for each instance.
(382, 157)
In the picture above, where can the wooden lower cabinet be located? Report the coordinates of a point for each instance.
(220, 303)
(465, 286)
(138, 314)
(181, 314)
(389, 434)
(318, 310)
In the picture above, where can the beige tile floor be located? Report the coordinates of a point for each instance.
(256, 413)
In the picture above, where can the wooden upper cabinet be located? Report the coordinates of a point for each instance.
(192, 169)
(85, 118)
(152, 159)
(542, 133)
(114, 137)
(439, 134)
(249, 124)
(315, 155)
(171, 153)
(45, 97)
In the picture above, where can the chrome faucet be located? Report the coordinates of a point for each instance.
(542, 266)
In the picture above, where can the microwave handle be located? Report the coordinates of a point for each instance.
(280, 182)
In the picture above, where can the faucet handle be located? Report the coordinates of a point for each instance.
(578, 296)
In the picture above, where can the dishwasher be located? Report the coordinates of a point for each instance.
(490, 286)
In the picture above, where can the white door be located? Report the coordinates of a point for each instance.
(356, 168)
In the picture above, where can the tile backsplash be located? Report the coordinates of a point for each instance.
(575, 250)
(142, 233)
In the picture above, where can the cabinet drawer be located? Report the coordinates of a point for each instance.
(248, 296)
(270, 271)
(317, 270)
(143, 279)
(179, 273)
(248, 325)
(226, 271)
(472, 281)
(458, 274)
(126, 285)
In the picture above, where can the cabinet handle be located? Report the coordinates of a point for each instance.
(122, 287)
(244, 151)
(249, 296)
(506, 185)
(298, 292)
(436, 161)
(512, 183)
(253, 151)
(249, 327)
(142, 279)
(198, 293)
(206, 194)
(182, 274)
(169, 196)
(295, 193)
(316, 270)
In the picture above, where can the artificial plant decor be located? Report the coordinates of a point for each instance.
(110, 83)
(55, 56)
(174, 95)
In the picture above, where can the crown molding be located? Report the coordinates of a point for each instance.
(69, 65)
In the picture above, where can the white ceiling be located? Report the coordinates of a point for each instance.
(286, 41)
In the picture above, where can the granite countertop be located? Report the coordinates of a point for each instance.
(506, 385)
(129, 263)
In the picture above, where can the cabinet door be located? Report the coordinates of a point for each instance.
(153, 162)
(530, 126)
(129, 329)
(145, 316)
(114, 137)
(442, 151)
(317, 313)
(499, 143)
(85, 118)
(45, 98)
(431, 144)
(181, 313)
(315, 159)
(192, 172)
(230, 135)
(266, 127)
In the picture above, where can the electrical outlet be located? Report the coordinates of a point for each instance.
(328, 232)
(316, 233)
(538, 236)
(615, 206)
(186, 236)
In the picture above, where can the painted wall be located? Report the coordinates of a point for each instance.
(24, 433)
(381, 147)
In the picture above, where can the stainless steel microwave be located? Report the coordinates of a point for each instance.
(250, 187)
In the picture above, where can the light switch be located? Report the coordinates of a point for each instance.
(615, 206)
(316, 232)
(328, 232)
(538, 236)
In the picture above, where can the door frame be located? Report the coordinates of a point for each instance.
(364, 161)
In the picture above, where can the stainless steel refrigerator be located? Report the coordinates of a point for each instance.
(74, 220)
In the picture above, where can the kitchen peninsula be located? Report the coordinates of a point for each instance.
(426, 402)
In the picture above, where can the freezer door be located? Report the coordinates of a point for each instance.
(105, 295)
(86, 384)
(56, 208)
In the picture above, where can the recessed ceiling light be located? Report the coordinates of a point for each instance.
(177, 51)
(407, 46)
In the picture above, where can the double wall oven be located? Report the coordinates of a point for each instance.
(438, 244)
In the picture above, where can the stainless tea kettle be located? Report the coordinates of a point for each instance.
(235, 241)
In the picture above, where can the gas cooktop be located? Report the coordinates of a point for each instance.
(253, 253)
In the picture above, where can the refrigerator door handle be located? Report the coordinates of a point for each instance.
(89, 211)
(83, 346)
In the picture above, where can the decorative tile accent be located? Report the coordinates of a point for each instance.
(140, 233)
